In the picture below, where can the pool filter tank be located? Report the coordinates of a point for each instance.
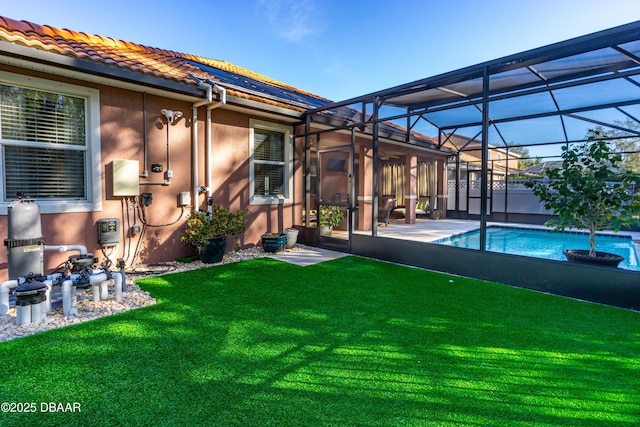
(25, 244)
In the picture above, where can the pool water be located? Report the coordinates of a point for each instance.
(545, 244)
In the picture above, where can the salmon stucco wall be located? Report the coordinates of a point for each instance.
(230, 171)
(123, 131)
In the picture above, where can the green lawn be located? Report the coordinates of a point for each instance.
(350, 342)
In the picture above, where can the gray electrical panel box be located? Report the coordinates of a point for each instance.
(108, 231)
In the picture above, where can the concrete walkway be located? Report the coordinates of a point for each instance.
(306, 255)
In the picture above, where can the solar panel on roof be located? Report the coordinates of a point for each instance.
(266, 89)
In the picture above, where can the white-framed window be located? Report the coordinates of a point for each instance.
(49, 144)
(271, 163)
(499, 158)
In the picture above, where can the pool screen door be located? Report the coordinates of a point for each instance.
(335, 193)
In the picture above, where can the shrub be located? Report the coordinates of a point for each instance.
(203, 226)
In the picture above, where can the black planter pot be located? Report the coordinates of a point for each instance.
(274, 243)
(214, 251)
(601, 258)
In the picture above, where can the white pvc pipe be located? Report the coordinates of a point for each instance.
(95, 291)
(47, 301)
(207, 157)
(69, 291)
(117, 281)
(99, 289)
(23, 315)
(67, 287)
(4, 295)
(124, 279)
(66, 248)
(194, 136)
(74, 297)
(211, 104)
(208, 169)
(37, 312)
(194, 166)
(98, 278)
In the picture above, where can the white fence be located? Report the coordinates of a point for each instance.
(519, 199)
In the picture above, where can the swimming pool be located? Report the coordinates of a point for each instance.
(544, 243)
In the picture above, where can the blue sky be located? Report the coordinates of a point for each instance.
(338, 49)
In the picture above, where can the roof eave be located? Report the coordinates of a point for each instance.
(97, 69)
(50, 62)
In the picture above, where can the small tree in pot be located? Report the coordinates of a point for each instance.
(330, 216)
(207, 233)
(583, 195)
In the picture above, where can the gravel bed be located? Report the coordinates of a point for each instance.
(132, 299)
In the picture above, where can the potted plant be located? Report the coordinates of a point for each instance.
(274, 242)
(436, 214)
(330, 216)
(583, 195)
(207, 232)
(292, 237)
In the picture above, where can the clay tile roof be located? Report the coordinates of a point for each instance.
(152, 61)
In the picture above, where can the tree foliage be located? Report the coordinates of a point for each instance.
(525, 160)
(628, 147)
(582, 194)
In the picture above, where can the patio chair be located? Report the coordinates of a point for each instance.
(384, 209)
(423, 206)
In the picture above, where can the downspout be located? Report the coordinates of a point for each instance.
(194, 138)
(223, 100)
(211, 104)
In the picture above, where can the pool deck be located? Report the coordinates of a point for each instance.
(428, 230)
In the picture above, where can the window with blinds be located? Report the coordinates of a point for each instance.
(271, 163)
(44, 142)
(268, 162)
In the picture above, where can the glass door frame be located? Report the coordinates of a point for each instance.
(332, 242)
